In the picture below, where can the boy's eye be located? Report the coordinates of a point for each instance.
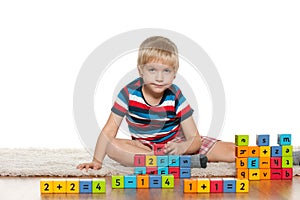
(167, 70)
(151, 69)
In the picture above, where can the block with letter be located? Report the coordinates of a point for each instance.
(99, 185)
(73, 185)
(241, 140)
(167, 181)
(287, 174)
(159, 149)
(254, 174)
(276, 174)
(216, 185)
(59, 185)
(140, 170)
(276, 151)
(265, 174)
(287, 151)
(253, 163)
(241, 163)
(241, 151)
(190, 185)
(163, 170)
(162, 161)
(151, 170)
(185, 161)
(229, 185)
(185, 172)
(284, 139)
(253, 151)
(173, 161)
(175, 171)
(46, 185)
(203, 185)
(242, 173)
(287, 162)
(117, 181)
(262, 140)
(242, 185)
(275, 162)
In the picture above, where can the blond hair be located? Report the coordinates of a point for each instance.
(158, 49)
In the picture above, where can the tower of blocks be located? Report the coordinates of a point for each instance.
(264, 162)
(160, 164)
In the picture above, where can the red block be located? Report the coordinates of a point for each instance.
(175, 171)
(139, 160)
(216, 185)
(159, 149)
(276, 174)
(287, 173)
(275, 162)
(151, 170)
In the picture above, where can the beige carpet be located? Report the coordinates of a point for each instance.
(63, 162)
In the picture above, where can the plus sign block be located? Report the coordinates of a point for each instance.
(59, 186)
(203, 185)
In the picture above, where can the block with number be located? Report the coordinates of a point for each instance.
(142, 181)
(167, 181)
(287, 162)
(59, 185)
(262, 140)
(139, 160)
(287, 151)
(203, 185)
(85, 186)
(241, 140)
(190, 185)
(229, 185)
(151, 161)
(130, 181)
(46, 186)
(284, 139)
(98, 185)
(265, 151)
(73, 185)
(265, 174)
(242, 185)
(155, 181)
(159, 149)
(242, 173)
(185, 161)
(241, 151)
(275, 162)
(253, 151)
(117, 182)
(216, 185)
(162, 161)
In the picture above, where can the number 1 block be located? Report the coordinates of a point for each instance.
(190, 185)
(216, 185)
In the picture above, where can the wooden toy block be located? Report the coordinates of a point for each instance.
(253, 163)
(162, 161)
(139, 160)
(264, 162)
(142, 181)
(287, 151)
(151, 170)
(253, 151)
(117, 182)
(242, 185)
(241, 163)
(46, 186)
(167, 181)
(185, 172)
(216, 185)
(276, 174)
(287, 174)
(241, 151)
(159, 149)
(287, 162)
(203, 185)
(185, 161)
(265, 151)
(262, 140)
(173, 161)
(242, 173)
(151, 161)
(265, 174)
(254, 174)
(155, 181)
(85, 186)
(276, 151)
(229, 185)
(163, 170)
(175, 171)
(59, 185)
(284, 139)
(241, 140)
(139, 170)
(130, 181)
(73, 185)
(190, 185)
(99, 185)
(275, 162)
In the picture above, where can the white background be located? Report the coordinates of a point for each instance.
(255, 46)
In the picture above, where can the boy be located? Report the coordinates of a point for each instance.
(156, 112)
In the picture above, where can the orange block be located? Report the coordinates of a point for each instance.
(241, 163)
(242, 174)
(253, 151)
(142, 181)
(241, 151)
(190, 185)
(264, 162)
(265, 174)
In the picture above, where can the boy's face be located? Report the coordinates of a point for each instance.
(157, 77)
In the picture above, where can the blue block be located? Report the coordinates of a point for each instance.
(276, 151)
(253, 163)
(129, 181)
(155, 181)
(173, 161)
(139, 170)
(162, 170)
(85, 186)
(185, 172)
(162, 161)
(229, 185)
(284, 139)
(263, 140)
(185, 161)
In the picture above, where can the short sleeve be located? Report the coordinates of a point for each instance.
(183, 108)
(120, 106)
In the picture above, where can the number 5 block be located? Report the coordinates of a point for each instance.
(117, 182)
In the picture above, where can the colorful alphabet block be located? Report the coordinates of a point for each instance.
(167, 181)
(241, 140)
(190, 185)
(99, 185)
(46, 186)
(117, 181)
(284, 139)
(262, 140)
(159, 149)
(242, 185)
(73, 185)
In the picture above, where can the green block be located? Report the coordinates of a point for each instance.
(99, 185)
(117, 182)
(241, 140)
(287, 162)
(287, 151)
(167, 181)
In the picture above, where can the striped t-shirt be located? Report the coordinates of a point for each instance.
(152, 124)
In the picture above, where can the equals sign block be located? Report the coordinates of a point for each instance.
(229, 185)
(155, 181)
(85, 186)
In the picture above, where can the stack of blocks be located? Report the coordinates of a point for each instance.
(72, 186)
(264, 162)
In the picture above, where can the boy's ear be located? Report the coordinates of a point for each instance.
(140, 71)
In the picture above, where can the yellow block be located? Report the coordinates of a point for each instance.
(190, 185)
(203, 185)
(151, 161)
(242, 185)
(254, 174)
(46, 186)
(73, 185)
(265, 151)
(60, 185)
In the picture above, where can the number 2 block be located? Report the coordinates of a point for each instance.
(46, 186)
(73, 185)
(242, 185)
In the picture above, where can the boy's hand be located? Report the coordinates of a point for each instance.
(174, 148)
(93, 165)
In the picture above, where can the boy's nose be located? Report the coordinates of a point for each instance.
(159, 76)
